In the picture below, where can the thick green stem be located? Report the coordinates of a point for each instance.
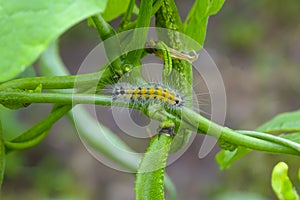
(100, 142)
(201, 124)
(111, 44)
(54, 82)
(61, 98)
(150, 175)
(181, 77)
(190, 118)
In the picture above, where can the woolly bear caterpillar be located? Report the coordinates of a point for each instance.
(142, 100)
(148, 93)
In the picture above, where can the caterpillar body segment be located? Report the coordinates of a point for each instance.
(148, 93)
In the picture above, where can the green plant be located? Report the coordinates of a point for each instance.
(281, 183)
(26, 32)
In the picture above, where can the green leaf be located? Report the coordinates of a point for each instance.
(281, 183)
(295, 137)
(29, 26)
(28, 72)
(2, 157)
(150, 176)
(196, 22)
(282, 123)
(225, 158)
(215, 6)
(114, 9)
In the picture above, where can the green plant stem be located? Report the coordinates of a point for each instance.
(102, 142)
(138, 38)
(105, 31)
(157, 4)
(181, 77)
(33, 136)
(271, 138)
(150, 175)
(54, 82)
(61, 98)
(127, 25)
(127, 15)
(51, 65)
(111, 43)
(201, 124)
(190, 118)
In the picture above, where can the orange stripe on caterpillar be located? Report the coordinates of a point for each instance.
(147, 93)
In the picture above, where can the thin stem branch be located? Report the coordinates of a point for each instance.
(111, 43)
(157, 4)
(139, 39)
(54, 82)
(190, 118)
(271, 138)
(201, 124)
(127, 16)
(127, 25)
(61, 98)
(38, 132)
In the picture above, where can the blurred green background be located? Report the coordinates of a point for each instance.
(256, 46)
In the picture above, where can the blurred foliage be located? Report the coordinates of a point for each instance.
(30, 175)
(9, 120)
(44, 178)
(261, 40)
(239, 196)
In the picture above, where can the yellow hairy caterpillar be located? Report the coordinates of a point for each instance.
(148, 93)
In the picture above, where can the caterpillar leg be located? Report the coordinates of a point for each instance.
(169, 131)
